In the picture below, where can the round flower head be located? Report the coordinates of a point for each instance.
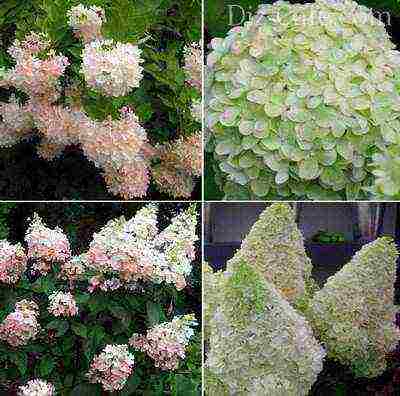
(166, 343)
(20, 326)
(112, 367)
(298, 96)
(62, 304)
(12, 262)
(37, 387)
(193, 65)
(112, 68)
(86, 22)
(46, 245)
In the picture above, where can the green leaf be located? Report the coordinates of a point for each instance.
(46, 366)
(155, 313)
(183, 385)
(20, 359)
(86, 390)
(79, 329)
(61, 326)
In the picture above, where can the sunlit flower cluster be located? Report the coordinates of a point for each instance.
(86, 22)
(12, 262)
(112, 68)
(193, 65)
(134, 250)
(62, 304)
(112, 367)
(354, 314)
(274, 246)
(46, 245)
(37, 387)
(301, 96)
(258, 342)
(21, 326)
(166, 343)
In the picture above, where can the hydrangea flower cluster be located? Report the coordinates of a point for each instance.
(118, 147)
(112, 367)
(193, 65)
(259, 344)
(354, 314)
(166, 343)
(86, 22)
(46, 245)
(74, 269)
(112, 68)
(298, 97)
(21, 326)
(12, 262)
(274, 246)
(62, 304)
(180, 162)
(134, 250)
(37, 387)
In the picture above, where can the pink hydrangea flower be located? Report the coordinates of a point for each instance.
(21, 326)
(62, 304)
(37, 387)
(193, 65)
(12, 262)
(112, 367)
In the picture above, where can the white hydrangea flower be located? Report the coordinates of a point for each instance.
(112, 68)
(37, 387)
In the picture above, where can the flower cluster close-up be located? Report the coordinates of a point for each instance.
(303, 101)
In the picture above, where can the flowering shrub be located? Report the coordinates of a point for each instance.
(258, 343)
(67, 328)
(274, 246)
(93, 96)
(309, 122)
(354, 315)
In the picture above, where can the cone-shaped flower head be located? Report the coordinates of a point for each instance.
(298, 96)
(259, 344)
(354, 314)
(274, 246)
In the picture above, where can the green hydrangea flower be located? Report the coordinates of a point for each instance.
(299, 101)
(353, 315)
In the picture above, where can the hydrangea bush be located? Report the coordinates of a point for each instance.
(92, 97)
(303, 101)
(354, 313)
(259, 344)
(71, 323)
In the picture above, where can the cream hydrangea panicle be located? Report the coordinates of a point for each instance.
(112, 367)
(12, 262)
(133, 250)
(46, 245)
(354, 314)
(37, 77)
(193, 64)
(274, 246)
(298, 95)
(21, 326)
(112, 68)
(37, 387)
(166, 343)
(86, 22)
(16, 123)
(173, 181)
(258, 341)
(62, 304)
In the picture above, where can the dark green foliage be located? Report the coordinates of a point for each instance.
(66, 346)
(162, 102)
